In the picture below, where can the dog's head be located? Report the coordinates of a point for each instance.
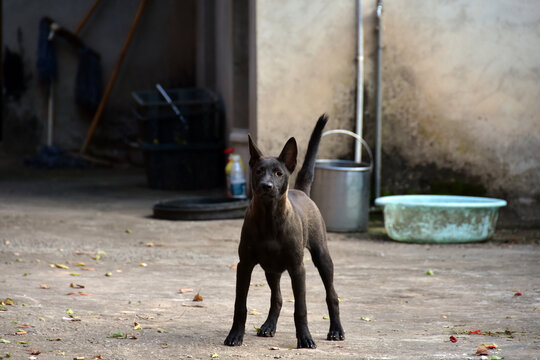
(270, 175)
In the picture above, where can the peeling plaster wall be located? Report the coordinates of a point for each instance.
(305, 67)
(461, 90)
(461, 94)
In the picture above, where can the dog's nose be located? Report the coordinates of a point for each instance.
(267, 186)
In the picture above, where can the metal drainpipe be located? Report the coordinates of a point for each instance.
(379, 99)
(359, 83)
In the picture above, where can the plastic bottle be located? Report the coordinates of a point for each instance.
(228, 168)
(237, 178)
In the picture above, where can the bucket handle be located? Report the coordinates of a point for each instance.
(357, 137)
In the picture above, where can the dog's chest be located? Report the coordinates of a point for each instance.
(276, 253)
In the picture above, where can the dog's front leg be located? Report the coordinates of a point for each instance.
(243, 277)
(298, 280)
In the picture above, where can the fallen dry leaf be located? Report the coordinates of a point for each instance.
(25, 326)
(183, 291)
(21, 332)
(518, 293)
(79, 293)
(482, 350)
(60, 266)
(99, 357)
(44, 286)
(453, 339)
(9, 301)
(198, 297)
(193, 305)
(234, 267)
(476, 332)
(71, 318)
(34, 352)
(76, 286)
(88, 269)
(117, 335)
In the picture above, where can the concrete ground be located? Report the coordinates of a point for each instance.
(75, 227)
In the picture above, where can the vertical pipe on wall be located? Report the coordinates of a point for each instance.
(359, 82)
(379, 99)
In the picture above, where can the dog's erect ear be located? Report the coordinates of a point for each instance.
(288, 154)
(254, 152)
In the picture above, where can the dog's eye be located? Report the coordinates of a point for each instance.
(278, 172)
(259, 171)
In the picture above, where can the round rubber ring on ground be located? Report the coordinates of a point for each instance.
(201, 208)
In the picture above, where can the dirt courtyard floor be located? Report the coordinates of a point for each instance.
(87, 273)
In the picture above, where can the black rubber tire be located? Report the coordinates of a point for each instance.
(201, 208)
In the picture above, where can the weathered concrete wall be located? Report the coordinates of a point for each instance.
(461, 84)
(305, 67)
(461, 89)
(162, 50)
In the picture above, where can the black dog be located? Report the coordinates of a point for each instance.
(278, 225)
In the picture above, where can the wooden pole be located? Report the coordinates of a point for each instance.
(86, 17)
(112, 78)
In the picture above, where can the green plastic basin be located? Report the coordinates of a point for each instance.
(439, 218)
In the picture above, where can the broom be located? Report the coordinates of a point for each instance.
(87, 89)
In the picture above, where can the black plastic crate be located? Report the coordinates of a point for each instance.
(159, 124)
(184, 167)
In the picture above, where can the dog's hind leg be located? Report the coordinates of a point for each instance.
(323, 262)
(269, 326)
(298, 280)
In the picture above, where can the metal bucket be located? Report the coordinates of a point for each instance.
(341, 190)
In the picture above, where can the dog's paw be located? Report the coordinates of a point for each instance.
(268, 329)
(306, 342)
(235, 338)
(336, 334)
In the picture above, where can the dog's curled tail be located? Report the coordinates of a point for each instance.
(306, 173)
